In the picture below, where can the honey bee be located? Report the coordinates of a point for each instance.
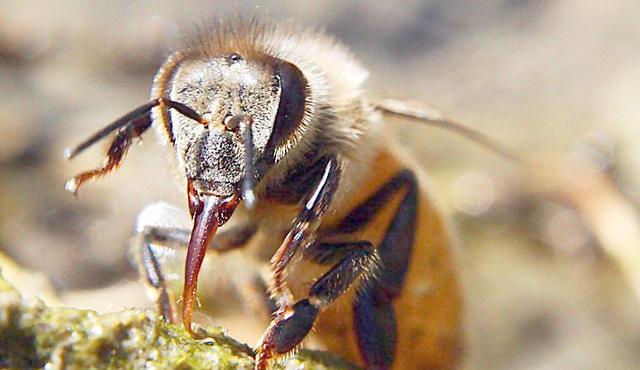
(269, 124)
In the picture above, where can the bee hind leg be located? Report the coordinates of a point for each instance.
(374, 316)
(357, 261)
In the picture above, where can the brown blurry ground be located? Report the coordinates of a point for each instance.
(548, 255)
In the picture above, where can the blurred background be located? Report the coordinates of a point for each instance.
(549, 253)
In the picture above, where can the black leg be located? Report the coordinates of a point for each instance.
(292, 322)
(303, 229)
(331, 253)
(176, 238)
(152, 269)
(397, 244)
(127, 127)
(360, 216)
(290, 326)
(375, 325)
(115, 154)
(374, 317)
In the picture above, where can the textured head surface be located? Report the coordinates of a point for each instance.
(219, 88)
(252, 68)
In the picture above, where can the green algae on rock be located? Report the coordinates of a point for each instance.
(33, 335)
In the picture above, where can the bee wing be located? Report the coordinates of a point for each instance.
(409, 108)
(416, 111)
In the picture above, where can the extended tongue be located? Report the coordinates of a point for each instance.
(208, 213)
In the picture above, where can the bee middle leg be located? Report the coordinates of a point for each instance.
(352, 262)
(303, 230)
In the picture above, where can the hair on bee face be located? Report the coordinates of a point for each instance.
(282, 76)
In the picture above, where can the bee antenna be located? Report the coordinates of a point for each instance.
(131, 117)
(245, 123)
(432, 117)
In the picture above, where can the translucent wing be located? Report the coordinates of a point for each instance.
(416, 111)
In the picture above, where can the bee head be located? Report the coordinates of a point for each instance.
(221, 90)
(250, 106)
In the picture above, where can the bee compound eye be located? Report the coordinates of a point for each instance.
(293, 94)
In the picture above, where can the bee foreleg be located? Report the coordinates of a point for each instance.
(151, 268)
(115, 154)
(374, 316)
(291, 325)
(303, 230)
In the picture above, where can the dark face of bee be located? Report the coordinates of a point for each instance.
(218, 89)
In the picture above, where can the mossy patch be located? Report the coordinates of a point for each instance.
(33, 335)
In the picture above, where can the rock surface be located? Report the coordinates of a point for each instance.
(34, 335)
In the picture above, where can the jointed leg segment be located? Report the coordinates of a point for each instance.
(374, 315)
(176, 238)
(291, 325)
(127, 127)
(115, 154)
(292, 322)
(303, 229)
